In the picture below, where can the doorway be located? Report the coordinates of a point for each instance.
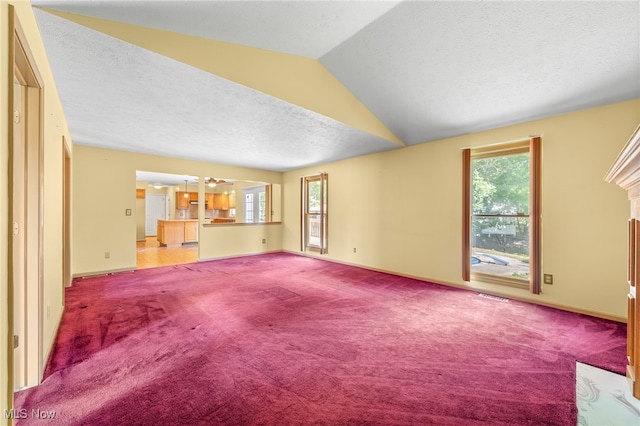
(26, 194)
(160, 201)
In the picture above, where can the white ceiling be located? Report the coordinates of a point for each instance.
(167, 179)
(441, 69)
(305, 28)
(170, 179)
(428, 70)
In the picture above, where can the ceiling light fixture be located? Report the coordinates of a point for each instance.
(157, 185)
(212, 182)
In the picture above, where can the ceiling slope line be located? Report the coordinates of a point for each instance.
(298, 80)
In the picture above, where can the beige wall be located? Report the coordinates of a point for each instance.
(104, 187)
(218, 241)
(55, 127)
(402, 209)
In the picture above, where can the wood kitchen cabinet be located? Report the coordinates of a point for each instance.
(625, 172)
(208, 199)
(182, 202)
(217, 201)
(170, 232)
(174, 233)
(190, 231)
(160, 231)
(220, 202)
(141, 193)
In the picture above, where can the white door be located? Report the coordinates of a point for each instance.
(155, 209)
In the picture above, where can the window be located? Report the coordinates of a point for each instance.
(256, 204)
(248, 208)
(262, 207)
(313, 234)
(501, 227)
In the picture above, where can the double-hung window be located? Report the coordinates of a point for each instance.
(501, 218)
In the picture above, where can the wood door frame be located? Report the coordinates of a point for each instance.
(22, 67)
(323, 179)
(66, 220)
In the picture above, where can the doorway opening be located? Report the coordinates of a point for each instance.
(166, 219)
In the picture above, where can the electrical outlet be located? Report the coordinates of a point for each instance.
(264, 241)
(107, 255)
(354, 249)
(548, 279)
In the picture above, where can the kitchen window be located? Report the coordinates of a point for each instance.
(248, 208)
(256, 205)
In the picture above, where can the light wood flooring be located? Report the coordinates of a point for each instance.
(151, 255)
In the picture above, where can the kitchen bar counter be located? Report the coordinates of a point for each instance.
(222, 224)
(174, 233)
(224, 220)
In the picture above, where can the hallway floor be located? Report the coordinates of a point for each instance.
(150, 254)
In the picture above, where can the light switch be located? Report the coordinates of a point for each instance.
(127, 212)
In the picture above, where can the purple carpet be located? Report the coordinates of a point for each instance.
(283, 339)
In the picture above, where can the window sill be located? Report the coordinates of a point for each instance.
(494, 279)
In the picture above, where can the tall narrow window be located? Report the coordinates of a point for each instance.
(248, 208)
(314, 213)
(502, 214)
(262, 207)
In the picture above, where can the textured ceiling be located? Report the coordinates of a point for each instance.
(427, 70)
(305, 28)
(120, 96)
(447, 68)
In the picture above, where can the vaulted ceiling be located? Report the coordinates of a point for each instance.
(279, 85)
